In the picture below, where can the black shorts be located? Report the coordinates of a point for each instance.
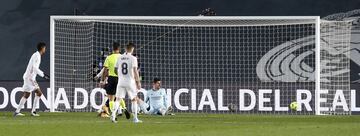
(111, 85)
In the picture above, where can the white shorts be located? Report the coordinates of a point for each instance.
(30, 85)
(131, 90)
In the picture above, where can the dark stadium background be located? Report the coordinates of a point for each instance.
(23, 23)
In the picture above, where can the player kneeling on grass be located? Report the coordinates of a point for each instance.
(156, 99)
(30, 83)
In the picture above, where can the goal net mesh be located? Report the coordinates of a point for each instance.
(208, 65)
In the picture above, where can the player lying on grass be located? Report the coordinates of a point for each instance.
(104, 111)
(30, 83)
(157, 100)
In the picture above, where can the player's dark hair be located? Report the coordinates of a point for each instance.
(129, 46)
(155, 80)
(40, 45)
(116, 46)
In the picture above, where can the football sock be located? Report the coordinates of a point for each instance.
(21, 104)
(35, 104)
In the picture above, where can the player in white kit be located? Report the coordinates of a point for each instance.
(128, 82)
(30, 84)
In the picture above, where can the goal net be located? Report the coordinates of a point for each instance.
(252, 65)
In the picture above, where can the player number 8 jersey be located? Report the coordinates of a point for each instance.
(125, 66)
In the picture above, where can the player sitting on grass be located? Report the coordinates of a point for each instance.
(30, 83)
(156, 99)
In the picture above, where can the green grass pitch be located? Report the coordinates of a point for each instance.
(88, 124)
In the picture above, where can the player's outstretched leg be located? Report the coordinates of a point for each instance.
(21, 104)
(143, 106)
(104, 104)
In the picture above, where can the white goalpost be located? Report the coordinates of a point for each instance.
(209, 64)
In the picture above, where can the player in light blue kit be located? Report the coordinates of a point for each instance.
(156, 99)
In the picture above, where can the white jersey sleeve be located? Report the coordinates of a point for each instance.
(37, 65)
(135, 62)
(32, 68)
